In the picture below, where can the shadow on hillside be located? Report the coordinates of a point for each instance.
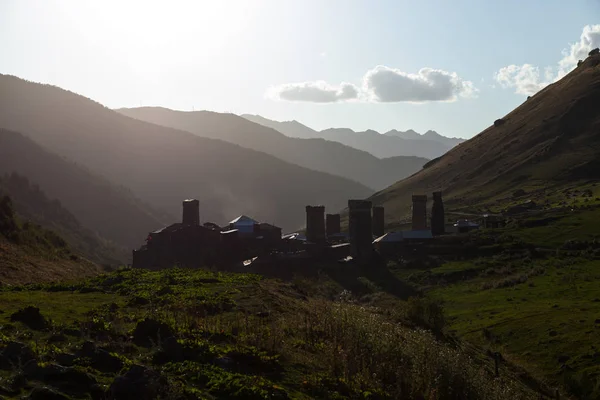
(347, 275)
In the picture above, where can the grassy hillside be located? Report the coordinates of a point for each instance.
(526, 293)
(185, 334)
(318, 154)
(102, 207)
(549, 143)
(162, 165)
(30, 253)
(31, 204)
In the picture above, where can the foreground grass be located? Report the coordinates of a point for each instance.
(197, 334)
(539, 310)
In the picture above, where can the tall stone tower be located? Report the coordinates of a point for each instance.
(378, 221)
(361, 236)
(191, 212)
(315, 224)
(438, 225)
(419, 212)
(332, 224)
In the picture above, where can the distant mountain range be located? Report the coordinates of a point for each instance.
(317, 154)
(160, 165)
(549, 143)
(390, 144)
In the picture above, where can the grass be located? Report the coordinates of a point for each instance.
(203, 334)
(540, 312)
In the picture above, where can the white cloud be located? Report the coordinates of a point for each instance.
(527, 79)
(386, 85)
(589, 39)
(315, 92)
(381, 84)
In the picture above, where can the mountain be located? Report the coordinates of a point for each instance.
(32, 204)
(383, 146)
(318, 154)
(551, 141)
(429, 135)
(31, 253)
(392, 143)
(289, 128)
(162, 166)
(100, 206)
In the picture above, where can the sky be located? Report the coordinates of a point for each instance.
(450, 66)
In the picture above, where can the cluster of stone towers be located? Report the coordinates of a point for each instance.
(419, 213)
(365, 221)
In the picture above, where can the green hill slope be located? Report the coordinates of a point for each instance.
(100, 206)
(162, 165)
(318, 154)
(31, 204)
(549, 142)
(30, 253)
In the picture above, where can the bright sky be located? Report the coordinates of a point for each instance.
(452, 66)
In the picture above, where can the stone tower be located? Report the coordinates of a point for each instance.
(332, 224)
(361, 236)
(378, 221)
(438, 217)
(315, 224)
(191, 212)
(419, 212)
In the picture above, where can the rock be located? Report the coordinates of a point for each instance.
(552, 333)
(65, 359)
(15, 354)
(100, 359)
(31, 317)
(171, 351)
(594, 52)
(150, 331)
(563, 359)
(499, 122)
(139, 383)
(63, 378)
(57, 338)
(44, 393)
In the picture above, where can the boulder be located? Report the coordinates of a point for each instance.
(499, 122)
(15, 354)
(139, 383)
(31, 317)
(150, 331)
(594, 52)
(100, 359)
(44, 393)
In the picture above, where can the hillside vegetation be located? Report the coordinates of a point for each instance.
(162, 165)
(100, 206)
(318, 154)
(31, 204)
(547, 144)
(30, 253)
(181, 334)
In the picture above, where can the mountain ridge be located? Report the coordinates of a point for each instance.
(164, 165)
(314, 153)
(381, 145)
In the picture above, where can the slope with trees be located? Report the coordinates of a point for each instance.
(162, 165)
(100, 206)
(32, 204)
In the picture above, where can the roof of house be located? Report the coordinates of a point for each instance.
(391, 237)
(170, 228)
(243, 220)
